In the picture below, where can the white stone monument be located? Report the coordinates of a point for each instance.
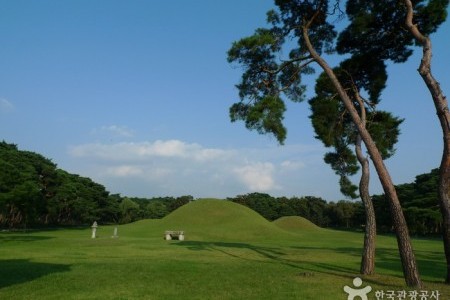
(115, 233)
(94, 229)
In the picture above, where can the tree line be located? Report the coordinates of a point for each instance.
(35, 193)
(419, 200)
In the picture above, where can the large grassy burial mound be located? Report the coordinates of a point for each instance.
(295, 224)
(209, 220)
(219, 219)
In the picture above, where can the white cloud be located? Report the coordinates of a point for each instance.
(257, 176)
(115, 130)
(289, 165)
(171, 148)
(174, 167)
(124, 171)
(146, 151)
(5, 105)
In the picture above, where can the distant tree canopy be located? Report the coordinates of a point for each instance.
(311, 208)
(420, 204)
(34, 192)
(419, 201)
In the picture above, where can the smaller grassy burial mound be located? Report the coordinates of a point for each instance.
(295, 224)
(219, 220)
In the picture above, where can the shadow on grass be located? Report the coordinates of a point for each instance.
(431, 264)
(16, 271)
(267, 252)
(272, 255)
(29, 234)
(14, 237)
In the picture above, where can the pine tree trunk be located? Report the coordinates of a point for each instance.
(409, 264)
(368, 257)
(444, 195)
(442, 111)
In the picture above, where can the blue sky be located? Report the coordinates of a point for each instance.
(135, 95)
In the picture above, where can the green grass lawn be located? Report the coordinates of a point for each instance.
(230, 252)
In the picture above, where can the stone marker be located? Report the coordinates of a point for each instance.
(115, 233)
(94, 229)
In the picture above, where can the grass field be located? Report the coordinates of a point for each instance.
(230, 252)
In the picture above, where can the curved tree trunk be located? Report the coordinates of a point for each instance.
(410, 269)
(368, 257)
(442, 111)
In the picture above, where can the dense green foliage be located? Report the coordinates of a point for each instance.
(334, 126)
(34, 192)
(419, 201)
(342, 214)
(134, 208)
(420, 204)
(382, 26)
(311, 208)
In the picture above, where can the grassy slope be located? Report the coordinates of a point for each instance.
(295, 223)
(230, 252)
